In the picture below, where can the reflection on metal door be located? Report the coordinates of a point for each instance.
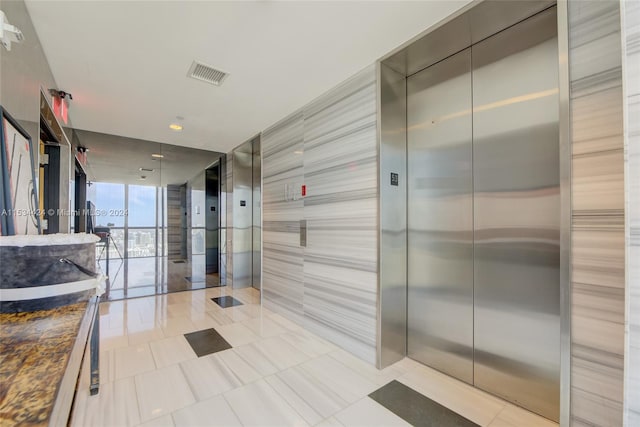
(257, 217)
(247, 230)
(439, 215)
(483, 215)
(517, 214)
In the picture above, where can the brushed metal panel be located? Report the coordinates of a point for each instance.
(303, 233)
(565, 214)
(492, 16)
(443, 42)
(242, 216)
(212, 219)
(453, 34)
(392, 299)
(517, 215)
(439, 217)
(224, 211)
(257, 217)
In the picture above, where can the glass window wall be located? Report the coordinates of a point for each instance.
(135, 215)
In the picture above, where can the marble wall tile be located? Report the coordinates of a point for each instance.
(340, 172)
(598, 270)
(282, 166)
(631, 39)
(330, 286)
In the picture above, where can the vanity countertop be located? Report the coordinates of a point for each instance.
(35, 349)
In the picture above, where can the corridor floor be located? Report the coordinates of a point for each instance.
(275, 373)
(140, 277)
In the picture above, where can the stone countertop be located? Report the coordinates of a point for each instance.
(34, 352)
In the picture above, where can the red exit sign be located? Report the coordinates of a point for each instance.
(60, 109)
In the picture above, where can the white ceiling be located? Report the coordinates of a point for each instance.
(126, 62)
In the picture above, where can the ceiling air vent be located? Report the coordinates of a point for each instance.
(205, 73)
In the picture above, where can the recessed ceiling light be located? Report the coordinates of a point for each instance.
(298, 152)
(143, 177)
(175, 126)
(157, 156)
(146, 170)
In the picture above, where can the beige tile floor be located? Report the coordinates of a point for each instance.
(277, 374)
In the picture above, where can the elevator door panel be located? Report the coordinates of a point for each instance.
(517, 214)
(439, 217)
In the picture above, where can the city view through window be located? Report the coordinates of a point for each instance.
(135, 215)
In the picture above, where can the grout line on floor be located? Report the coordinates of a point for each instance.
(497, 415)
(135, 392)
(193, 392)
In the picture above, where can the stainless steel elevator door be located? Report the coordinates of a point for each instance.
(242, 216)
(517, 215)
(439, 217)
(257, 216)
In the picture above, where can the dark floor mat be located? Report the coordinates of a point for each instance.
(206, 342)
(225, 301)
(417, 409)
